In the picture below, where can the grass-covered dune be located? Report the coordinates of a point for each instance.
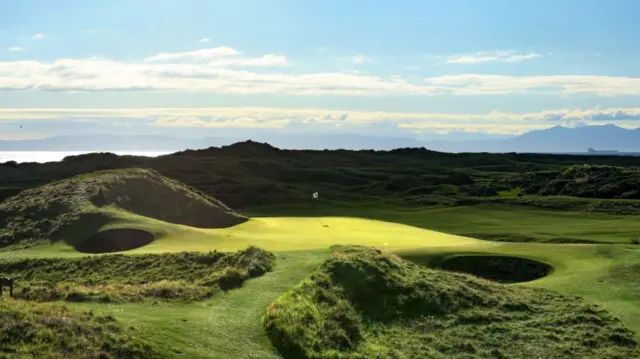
(53, 331)
(366, 303)
(74, 209)
(184, 276)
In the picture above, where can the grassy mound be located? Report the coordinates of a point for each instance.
(182, 276)
(503, 269)
(115, 240)
(30, 330)
(79, 206)
(365, 303)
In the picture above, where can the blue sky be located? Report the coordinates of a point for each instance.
(402, 67)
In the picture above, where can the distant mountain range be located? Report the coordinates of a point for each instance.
(552, 140)
(557, 139)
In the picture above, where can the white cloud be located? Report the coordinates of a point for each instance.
(264, 117)
(21, 136)
(359, 59)
(476, 84)
(99, 74)
(15, 49)
(38, 36)
(197, 55)
(204, 39)
(220, 57)
(498, 56)
(220, 70)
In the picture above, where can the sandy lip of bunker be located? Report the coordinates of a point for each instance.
(501, 269)
(115, 240)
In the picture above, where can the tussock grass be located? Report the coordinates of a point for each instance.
(29, 330)
(365, 303)
(185, 276)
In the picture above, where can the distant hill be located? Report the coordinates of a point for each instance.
(249, 173)
(107, 142)
(117, 143)
(556, 139)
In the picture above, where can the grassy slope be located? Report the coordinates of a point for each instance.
(228, 325)
(364, 303)
(185, 276)
(53, 331)
(75, 208)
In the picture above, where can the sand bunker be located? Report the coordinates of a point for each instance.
(115, 240)
(502, 269)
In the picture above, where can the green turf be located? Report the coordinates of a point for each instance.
(364, 303)
(580, 269)
(493, 221)
(54, 331)
(227, 326)
(184, 276)
(72, 210)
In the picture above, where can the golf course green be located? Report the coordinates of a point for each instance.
(477, 274)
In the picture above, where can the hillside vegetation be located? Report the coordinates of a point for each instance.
(595, 181)
(30, 330)
(185, 276)
(81, 205)
(249, 174)
(366, 303)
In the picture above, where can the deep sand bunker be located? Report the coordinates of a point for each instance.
(502, 269)
(115, 240)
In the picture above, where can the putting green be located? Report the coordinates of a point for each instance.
(283, 234)
(275, 234)
(287, 234)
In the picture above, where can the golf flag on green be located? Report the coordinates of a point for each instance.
(315, 195)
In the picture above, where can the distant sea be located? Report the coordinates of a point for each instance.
(53, 156)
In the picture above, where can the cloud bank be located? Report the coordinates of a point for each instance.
(227, 70)
(494, 122)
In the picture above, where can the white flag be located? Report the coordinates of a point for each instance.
(315, 195)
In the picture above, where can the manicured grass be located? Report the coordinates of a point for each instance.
(271, 234)
(495, 221)
(228, 325)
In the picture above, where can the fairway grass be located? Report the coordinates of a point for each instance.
(483, 220)
(227, 326)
